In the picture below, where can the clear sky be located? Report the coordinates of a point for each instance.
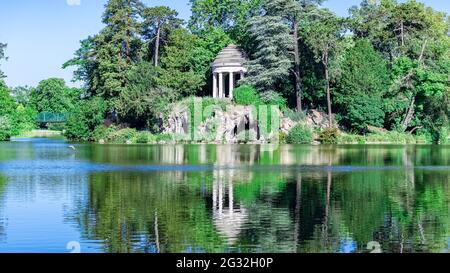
(43, 34)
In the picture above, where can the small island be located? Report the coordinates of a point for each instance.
(213, 126)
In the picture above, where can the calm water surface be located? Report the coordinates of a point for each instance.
(207, 198)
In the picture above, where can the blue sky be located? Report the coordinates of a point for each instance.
(43, 34)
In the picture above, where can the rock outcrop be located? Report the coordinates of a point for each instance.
(317, 119)
(236, 124)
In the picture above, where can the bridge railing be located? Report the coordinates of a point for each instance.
(46, 117)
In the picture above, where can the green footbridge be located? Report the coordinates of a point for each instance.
(52, 117)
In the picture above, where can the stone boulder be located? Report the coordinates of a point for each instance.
(317, 119)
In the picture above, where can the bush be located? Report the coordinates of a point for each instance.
(144, 138)
(300, 135)
(351, 139)
(294, 115)
(444, 135)
(329, 136)
(5, 128)
(23, 120)
(391, 138)
(273, 98)
(164, 137)
(122, 136)
(85, 119)
(246, 95)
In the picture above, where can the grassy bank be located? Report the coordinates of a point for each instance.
(39, 133)
(383, 138)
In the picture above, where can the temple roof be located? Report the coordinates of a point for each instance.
(229, 56)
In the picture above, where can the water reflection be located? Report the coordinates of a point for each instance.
(237, 198)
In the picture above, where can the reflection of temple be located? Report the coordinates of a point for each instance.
(229, 218)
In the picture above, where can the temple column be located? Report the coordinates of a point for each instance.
(231, 84)
(215, 85)
(220, 85)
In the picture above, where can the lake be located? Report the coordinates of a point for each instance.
(223, 198)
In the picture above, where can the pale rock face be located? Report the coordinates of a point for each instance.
(317, 119)
(225, 127)
(286, 125)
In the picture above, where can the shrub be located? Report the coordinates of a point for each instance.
(300, 135)
(444, 135)
(282, 138)
(246, 95)
(122, 136)
(329, 136)
(5, 128)
(85, 119)
(273, 98)
(144, 138)
(294, 115)
(164, 137)
(392, 138)
(351, 139)
(102, 132)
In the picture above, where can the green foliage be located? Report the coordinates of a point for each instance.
(84, 62)
(177, 68)
(5, 128)
(271, 61)
(142, 101)
(7, 104)
(391, 138)
(85, 119)
(115, 135)
(362, 85)
(273, 98)
(23, 120)
(246, 95)
(16, 118)
(329, 136)
(300, 134)
(2, 56)
(158, 23)
(230, 15)
(145, 138)
(350, 139)
(54, 96)
(294, 115)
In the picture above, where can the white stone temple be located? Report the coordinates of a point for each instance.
(228, 69)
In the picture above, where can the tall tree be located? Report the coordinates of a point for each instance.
(361, 87)
(271, 60)
(158, 22)
(2, 56)
(84, 61)
(54, 96)
(177, 70)
(116, 49)
(323, 33)
(230, 15)
(285, 16)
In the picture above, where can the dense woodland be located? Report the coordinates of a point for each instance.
(386, 65)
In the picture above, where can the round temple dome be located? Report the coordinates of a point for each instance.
(230, 56)
(228, 69)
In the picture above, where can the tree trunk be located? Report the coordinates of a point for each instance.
(157, 41)
(327, 87)
(297, 84)
(409, 115)
(402, 29)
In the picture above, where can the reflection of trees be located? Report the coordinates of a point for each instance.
(255, 209)
(2, 221)
(137, 212)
